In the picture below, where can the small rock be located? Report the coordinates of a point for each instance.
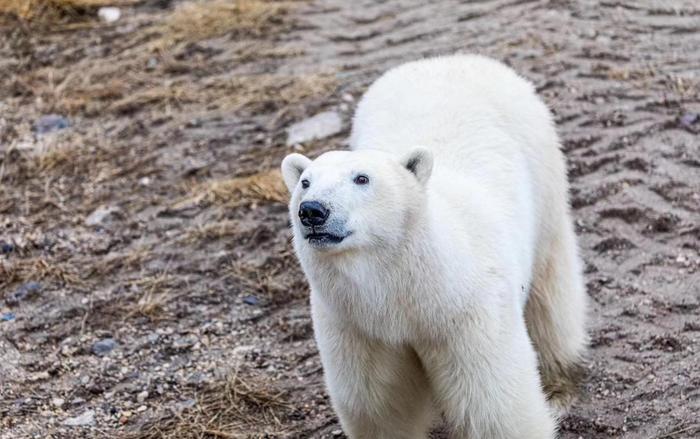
(141, 408)
(109, 14)
(337, 433)
(99, 215)
(58, 402)
(38, 376)
(319, 126)
(251, 300)
(184, 343)
(197, 378)
(87, 418)
(103, 347)
(145, 181)
(184, 405)
(6, 247)
(49, 123)
(23, 292)
(141, 397)
(689, 119)
(242, 350)
(7, 317)
(192, 166)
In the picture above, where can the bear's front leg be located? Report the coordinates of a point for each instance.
(378, 391)
(488, 386)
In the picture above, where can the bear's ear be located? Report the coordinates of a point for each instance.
(292, 167)
(420, 163)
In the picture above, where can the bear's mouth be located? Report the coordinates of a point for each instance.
(325, 238)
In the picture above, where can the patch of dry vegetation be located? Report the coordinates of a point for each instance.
(212, 231)
(263, 187)
(266, 186)
(53, 9)
(201, 20)
(242, 404)
(36, 269)
(125, 89)
(156, 295)
(268, 92)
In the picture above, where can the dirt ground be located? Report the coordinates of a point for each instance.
(147, 284)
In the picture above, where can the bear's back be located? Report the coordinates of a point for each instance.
(493, 140)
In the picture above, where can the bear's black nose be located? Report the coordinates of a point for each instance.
(313, 213)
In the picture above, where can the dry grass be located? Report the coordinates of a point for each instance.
(212, 231)
(155, 295)
(113, 263)
(261, 92)
(55, 156)
(52, 9)
(263, 187)
(36, 269)
(231, 409)
(201, 20)
(266, 186)
(125, 89)
(161, 96)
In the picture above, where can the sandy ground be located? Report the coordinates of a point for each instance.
(156, 219)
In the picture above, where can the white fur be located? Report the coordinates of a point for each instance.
(451, 270)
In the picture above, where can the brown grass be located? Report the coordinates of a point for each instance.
(234, 408)
(201, 20)
(36, 269)
(265, 92)
(53, 9)
(263, 187)
(266, 186)
(126, 89)
(155, 295)
(212, 231)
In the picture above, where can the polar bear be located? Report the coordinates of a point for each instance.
(441, 257)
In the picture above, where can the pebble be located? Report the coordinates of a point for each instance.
(103, 347)
(109, 14)
(6, 247)
(141, 397)
(58, 402)
(23, 292)
(50, 123)
(184, 343)
(87, 418)
(251, 300)
(689, 119)
(7, 317)
(186, 404)
(337, 432)
(320, 126)
(99, 215)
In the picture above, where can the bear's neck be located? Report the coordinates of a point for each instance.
(414, 264)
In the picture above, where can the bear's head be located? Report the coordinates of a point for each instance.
(347, 201)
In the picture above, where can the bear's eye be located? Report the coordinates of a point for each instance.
(361, 179)
(305, 183)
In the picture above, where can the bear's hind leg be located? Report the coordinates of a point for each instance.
(555, 315)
